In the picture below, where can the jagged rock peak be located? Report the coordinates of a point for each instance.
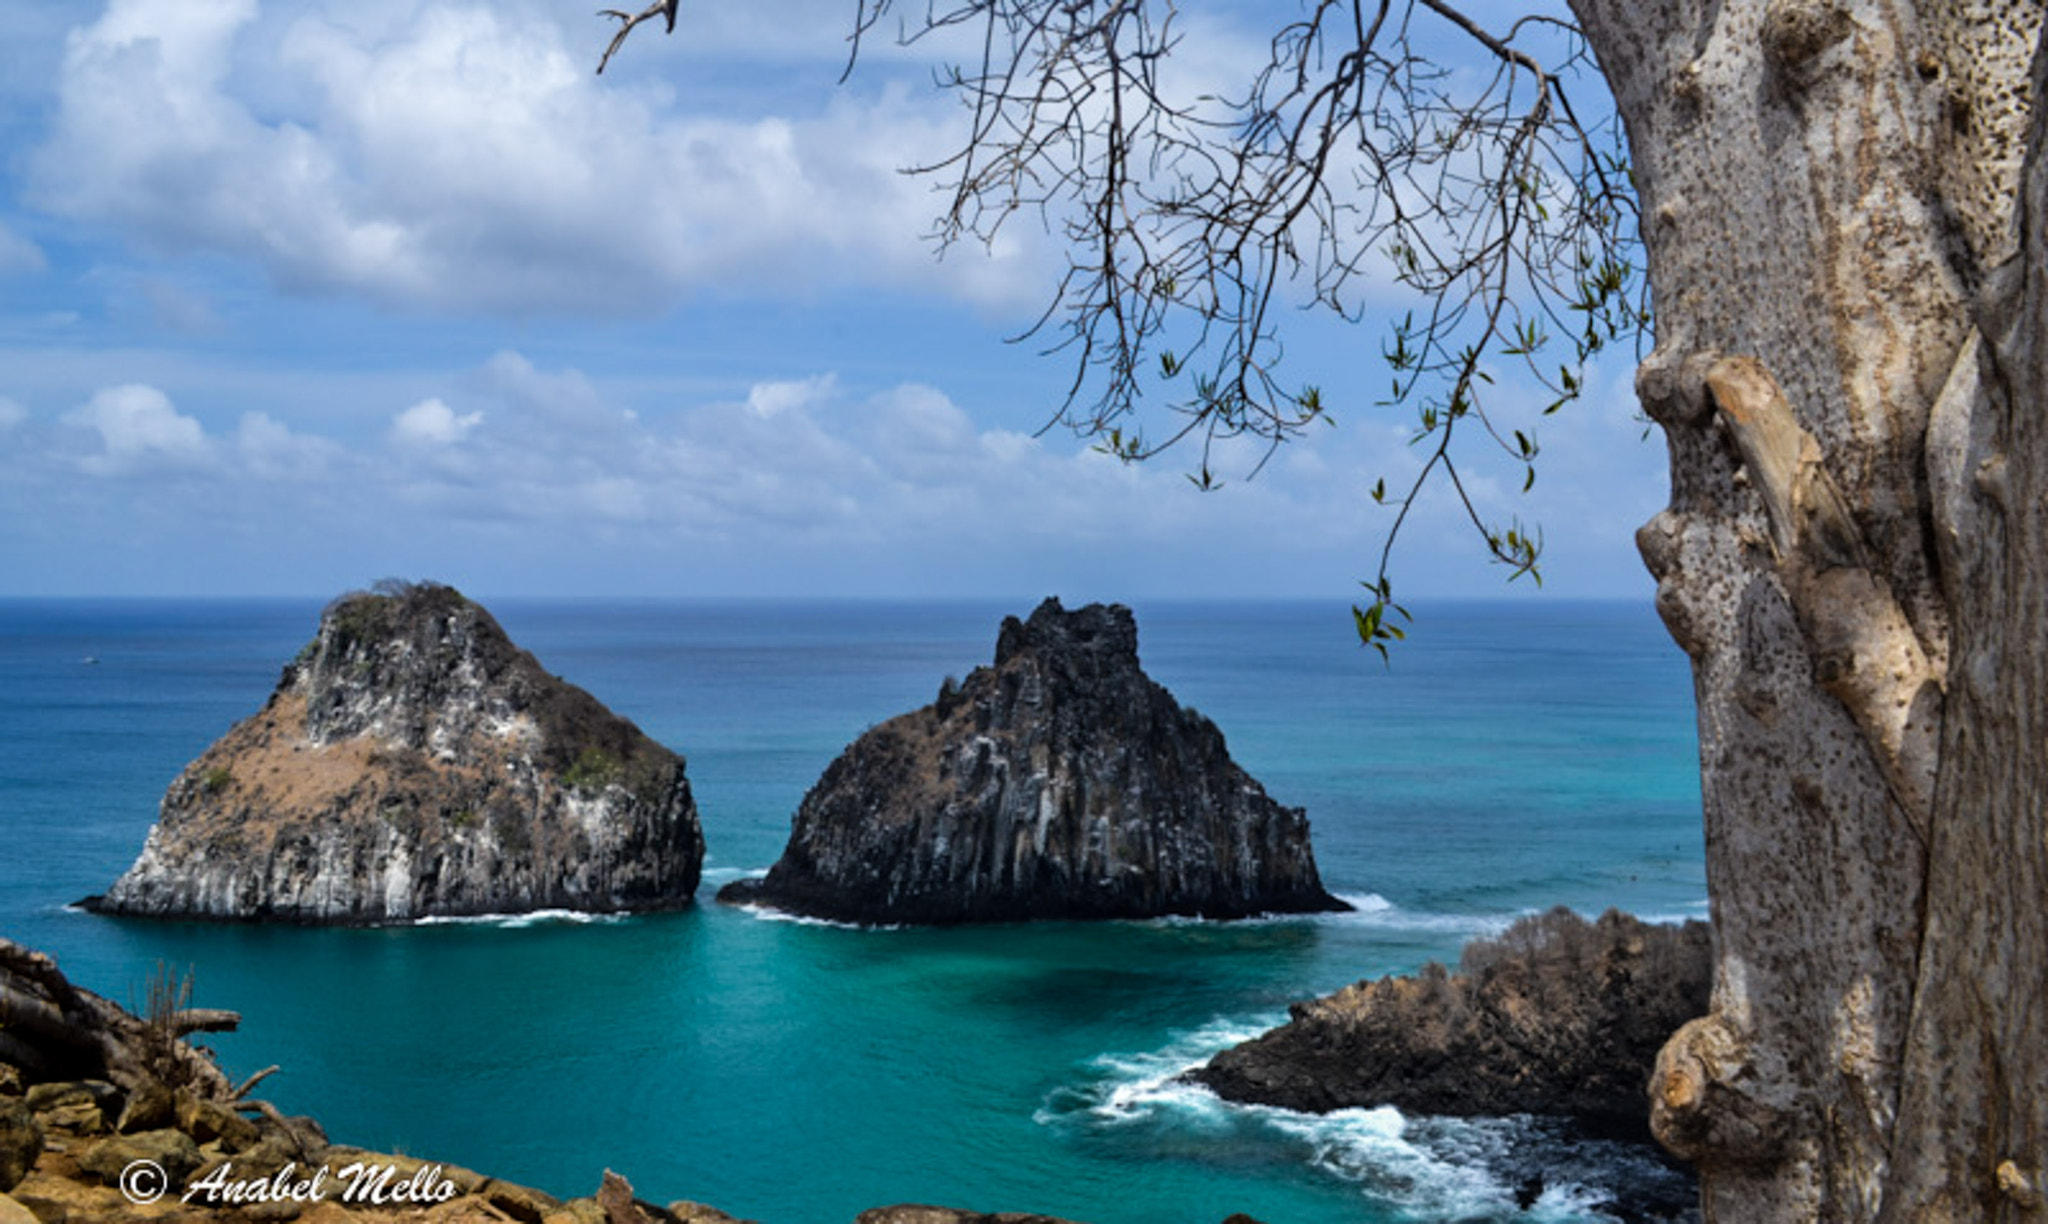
(1060, 782)
(1096, 637)
(414, 762)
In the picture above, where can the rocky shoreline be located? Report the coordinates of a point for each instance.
(1556, 1016)
(1557, 1019)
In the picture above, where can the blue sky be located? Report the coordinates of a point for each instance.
(298, 296)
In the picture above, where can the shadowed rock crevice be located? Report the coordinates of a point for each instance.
(1060, 782)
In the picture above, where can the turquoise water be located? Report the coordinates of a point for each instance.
(1514, 757)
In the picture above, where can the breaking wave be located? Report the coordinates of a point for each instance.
(513, 922)
(1373, 911)
(1514, 1170)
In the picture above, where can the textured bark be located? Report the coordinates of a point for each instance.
(1974, 1114)
(1828, 191)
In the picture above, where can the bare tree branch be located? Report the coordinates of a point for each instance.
(243, 1089)
(1193, 211)
(660, 8)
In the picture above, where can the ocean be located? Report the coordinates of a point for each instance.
(1514, 756)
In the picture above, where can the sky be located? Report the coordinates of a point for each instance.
(298, 296)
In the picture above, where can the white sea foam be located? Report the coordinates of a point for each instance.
(1457, 1168)
(519, 921)
(1123, 1088)
(768, 913)
(1373, 910)
(1373, 1147)
(1367, 909)
(726, 875)
(1695, 911)
(1421, 1169)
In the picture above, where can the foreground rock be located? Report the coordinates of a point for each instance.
(1059, 783)
(413, 762)
(1557, 1016)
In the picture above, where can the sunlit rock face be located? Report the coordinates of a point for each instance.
(1060, 782)
(414, 763)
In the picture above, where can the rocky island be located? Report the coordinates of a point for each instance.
(413, 762)
(1557, 1016)
(1060, 782)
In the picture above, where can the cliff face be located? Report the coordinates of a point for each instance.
(413, 762)
(1558, 1016)
(1059, 783)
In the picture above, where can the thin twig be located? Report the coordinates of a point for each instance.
(660, 8)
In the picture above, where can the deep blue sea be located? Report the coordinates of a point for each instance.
(1515, 756)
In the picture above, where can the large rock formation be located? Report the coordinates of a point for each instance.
(1059, 783)
(1557, 1016)
(413, 762)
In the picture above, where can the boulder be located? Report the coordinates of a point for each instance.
(1557, 1016)
(88, 1107)
(150, 1107)
(411, 763)
(1060, 782)
(171, 1151)
(21, 1141)
(213, 1122)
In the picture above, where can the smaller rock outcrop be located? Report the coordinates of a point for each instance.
(1061, 782)
(413, 762)
(1557, 1016)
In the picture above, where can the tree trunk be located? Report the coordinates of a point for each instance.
(1854, 558)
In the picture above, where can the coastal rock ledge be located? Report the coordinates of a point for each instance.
(1556, 1016)
(414, 763)
(1061, 782)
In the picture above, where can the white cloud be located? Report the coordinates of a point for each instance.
(803, 485)
(11, 414)
(139, 431)
(270, 450)
(432, 423)
(464, 156)
(769, 400)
